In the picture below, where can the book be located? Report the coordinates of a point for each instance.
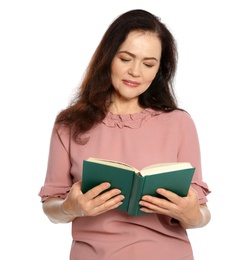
(135, 183)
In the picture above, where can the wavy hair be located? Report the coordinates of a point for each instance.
(90, 104)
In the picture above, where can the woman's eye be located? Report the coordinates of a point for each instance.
(124, 60)
(148, 65)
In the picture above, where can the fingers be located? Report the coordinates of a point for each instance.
(107, 201)
(169, 195)
(157, 205)
(164, 205)
(98, 200)
(107, 197)
(94, 192)
(184, 209)
(173, 197)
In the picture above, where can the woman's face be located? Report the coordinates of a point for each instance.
(135, 65)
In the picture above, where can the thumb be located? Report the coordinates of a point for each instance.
(77, 185)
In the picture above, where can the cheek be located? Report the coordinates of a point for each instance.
(149, 77)
(116, 68)
(116, 74)
(113, 78)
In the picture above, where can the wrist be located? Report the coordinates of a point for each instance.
(68, 214)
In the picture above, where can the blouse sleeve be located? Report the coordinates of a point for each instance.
(58, 181)
(189, 150)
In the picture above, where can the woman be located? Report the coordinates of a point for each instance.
(126, 110)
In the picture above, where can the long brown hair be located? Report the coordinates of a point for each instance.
(90, 104)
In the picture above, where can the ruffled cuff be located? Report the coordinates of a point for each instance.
(202, 190)
(53, 192)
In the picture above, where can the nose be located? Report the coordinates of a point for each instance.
(134, 70)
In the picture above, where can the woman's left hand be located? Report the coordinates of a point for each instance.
(186, 210)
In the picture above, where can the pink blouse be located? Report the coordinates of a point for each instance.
(138, 139)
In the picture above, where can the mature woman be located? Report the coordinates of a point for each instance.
(126, 110)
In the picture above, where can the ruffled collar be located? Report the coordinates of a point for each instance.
(129, 120)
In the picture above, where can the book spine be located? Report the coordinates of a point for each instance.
(136, 194)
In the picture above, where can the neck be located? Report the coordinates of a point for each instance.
(124, 108)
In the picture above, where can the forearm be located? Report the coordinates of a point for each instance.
(206, 216)
(54, 210)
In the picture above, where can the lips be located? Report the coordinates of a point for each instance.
(131, 83)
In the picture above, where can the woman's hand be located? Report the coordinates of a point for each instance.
(94, 202)
(184, 209)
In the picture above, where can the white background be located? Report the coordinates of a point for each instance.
(44, 49)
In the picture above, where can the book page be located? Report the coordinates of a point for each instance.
(164, 167)
(113, 163)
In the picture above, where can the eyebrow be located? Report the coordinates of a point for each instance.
(133, 55)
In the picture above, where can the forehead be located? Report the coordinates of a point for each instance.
(142, 43)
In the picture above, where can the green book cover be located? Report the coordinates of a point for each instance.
(132, 185)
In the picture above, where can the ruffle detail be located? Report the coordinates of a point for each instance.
(53, 192)
(202, 190)
(129, 120)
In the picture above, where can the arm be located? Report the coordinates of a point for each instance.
(63, 200)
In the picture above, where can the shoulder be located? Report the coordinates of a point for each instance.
(61, 130)
(61, 134)
(176, 116)
(177, 121)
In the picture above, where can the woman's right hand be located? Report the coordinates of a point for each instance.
(94, 202)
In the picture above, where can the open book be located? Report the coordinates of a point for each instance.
(135, 183)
